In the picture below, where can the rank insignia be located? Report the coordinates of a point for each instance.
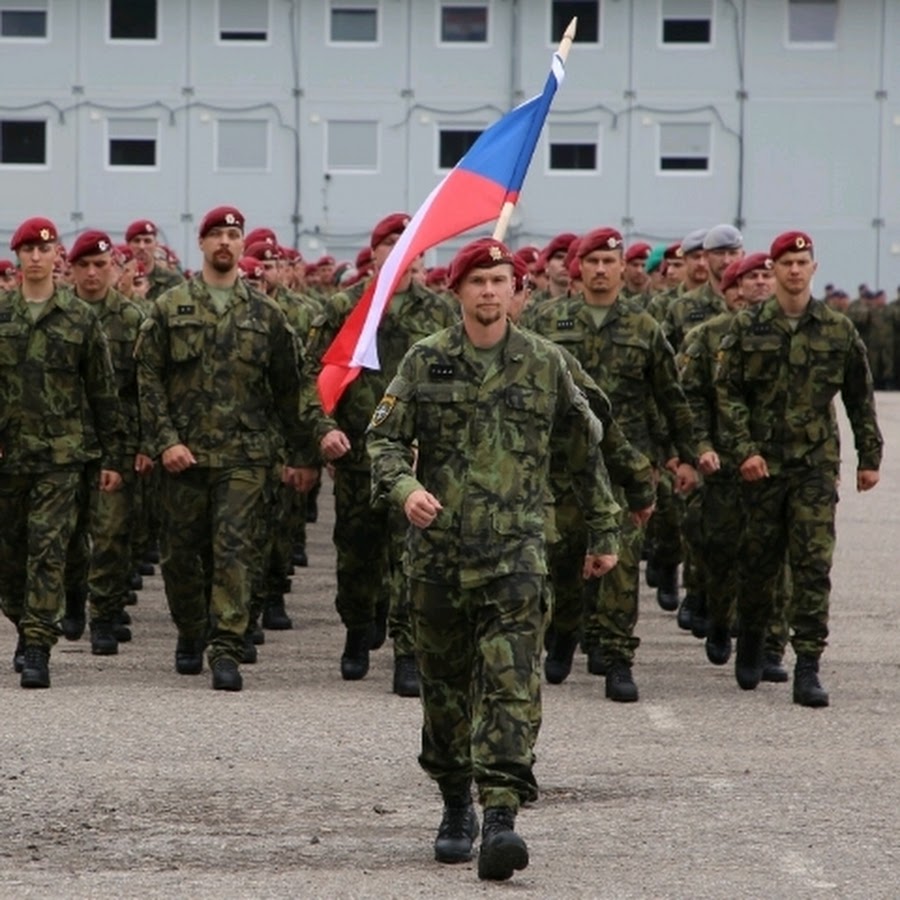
(696, 315)
(186, 310)
(383, 410)
(441, 371)
(565, 324)
(760, 328)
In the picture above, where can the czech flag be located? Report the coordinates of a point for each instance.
(487, 177)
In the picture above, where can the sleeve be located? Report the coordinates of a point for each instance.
(158, 432)
(731, 406)
(670, 400)
(103, 399)
(859, 400)
(322, 333)
(698, 389)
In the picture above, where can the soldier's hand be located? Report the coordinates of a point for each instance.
(143, 465)
(672, 465)
(866, 479)
(597, 564)
(421, 508)
(685, 478)
(302, 479)
(177, 459)
(709, 462)
(334, 445)
(110, 481)
(641, 517)
(754, 468)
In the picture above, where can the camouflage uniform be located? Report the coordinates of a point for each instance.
(775, 388)
(630, 359)
(477, 574)
(228, 387)
(59, 412)
(366, 575)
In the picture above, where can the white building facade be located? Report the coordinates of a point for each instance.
(318, 117)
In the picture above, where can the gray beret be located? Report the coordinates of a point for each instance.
(723, 237)
(694, 241)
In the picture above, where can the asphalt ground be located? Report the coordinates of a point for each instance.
(127, 780)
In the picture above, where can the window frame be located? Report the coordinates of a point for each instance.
(341, 170)
(553, 40)
(29, 167)
(13, 6)
(487, 5)
(687, 45)
(109, 166)
(575, 173)
(810, 45)
(226, 42)
(133, 42)
(239, 170)
(349, 4)
(682, 173)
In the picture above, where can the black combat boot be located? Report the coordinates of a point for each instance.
(19, 654)
(620, 685)
(73, 621)
(131, 598)
(275, 616)
(748, 661)
(718, 644)
(651, 573)
(103, 639)
(379, 632)
(189, 655)
(299, 557)
(597, 663)
(773, 668)
(35, 667)
(560, 654)
(355, 658)
(136, 581)
(502, 850)
(146, 568)
(121, 621)
(457, 831)
(225, 675)
(685, 616)
(249, 653)
(406, 676)
(807, 689)
(667, 588)
(698, 618)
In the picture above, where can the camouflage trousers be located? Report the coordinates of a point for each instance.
(209, 543)
(274, 542)
(663, 531)
(39, 512)
(478, 652)
(146, 514)
(794, 511)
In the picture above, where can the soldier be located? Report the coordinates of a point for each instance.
(142, 237)
(102, 567)
(8, 275)
(637, 279)
(219, 393)
(780, 366)
(59, 414)
(623, 349)
(555, 267)
(481, 400)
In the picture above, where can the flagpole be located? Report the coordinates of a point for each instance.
(562, 52)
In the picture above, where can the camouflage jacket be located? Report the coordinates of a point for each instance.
(227, 386)
(58, 400)
(775, 388)
(629, 358)
(484, 451)
(161, 280)
(660, 302)
(688, 310)
(410, 316)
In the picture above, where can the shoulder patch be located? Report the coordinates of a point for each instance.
(383, 410)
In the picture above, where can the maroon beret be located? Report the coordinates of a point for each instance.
(260, 235)
(485, 253)
(250, 267)
(529, 255)
(311, 269)
(751, 262)
(364, 258)
(436, 275)
(559, 244)
(262, 250)
(395, 223)
(574, 267)
(673, 251)
(90, 243)
(790, 242)
(7, 266)
(599, 239)
(325, 261)
(730, 275)
(124, 252)
(221, 217)
(640, 250)
(141, 226)
(520, 271)
(34, 231)
(290, 253)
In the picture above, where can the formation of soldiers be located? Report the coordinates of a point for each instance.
(152, 416)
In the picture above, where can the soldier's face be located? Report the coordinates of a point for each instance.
(36, 261)
(636, 276)
(383, 250)
(557, 273)
(718, 261)
(675, 271)
(794, 272)
(757, 285)
(143, 246)
(485, 294)
(92, 275)
(696, 271)
(271, 273)
(222, 247)
(7, 280)
(602, 272)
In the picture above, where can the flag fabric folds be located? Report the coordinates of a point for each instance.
(489, 175)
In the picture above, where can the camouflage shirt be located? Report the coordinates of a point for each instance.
(58, 398)
(227, 386)
(775, 388)
(161, 280)
(688, 310)
(484, 439)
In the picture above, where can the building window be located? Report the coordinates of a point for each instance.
(563, 11)
(352, 146)
(242, 144)
(132, 20)
(464, 24)
(684, 147)
(812, 21)
(244, 22)
(23, 143)
(353, 22)
(23, 19)
(573, 148)
(687, 21)
(132, 143)
(454, 144)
